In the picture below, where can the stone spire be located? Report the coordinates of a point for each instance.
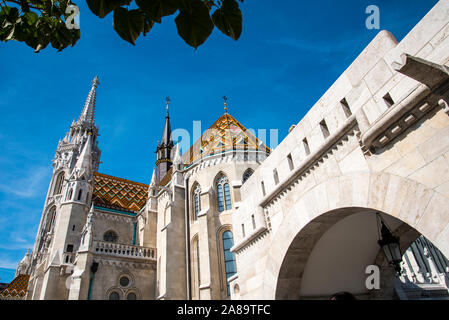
(153, 179)
(163, 160)
(167, 128)
(177, 159)
(88, 113)
(84, 162)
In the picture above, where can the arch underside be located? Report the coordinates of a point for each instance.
(412, 208)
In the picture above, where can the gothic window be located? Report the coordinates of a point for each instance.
(59, 183)
(131, 296)
(69, 195)
(51, 219)
(80, 193)
(247, 174)
(110, 236)
(114, 296)
(223, 194)
(197, 200)
(229, 258)
(196, 272)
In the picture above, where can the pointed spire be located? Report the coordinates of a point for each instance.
(177, 159)
(153, 179)
(167, 129)
(88, 112)
(85, 159)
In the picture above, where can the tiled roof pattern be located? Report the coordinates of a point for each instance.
(225, 134)
(117, 193)
(17, 288)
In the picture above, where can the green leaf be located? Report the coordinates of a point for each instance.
(30, 17)
(102, 8)
(194, 23)
(156, 9)
(228, 19)
(128, 24)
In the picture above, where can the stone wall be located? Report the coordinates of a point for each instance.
(376, 139)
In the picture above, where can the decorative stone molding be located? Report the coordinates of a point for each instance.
(249, 240)
(308, 163)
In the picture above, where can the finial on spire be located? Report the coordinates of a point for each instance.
(167, 102)
(95, 82)
(225, 99)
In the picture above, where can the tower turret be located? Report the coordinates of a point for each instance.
(163, 151)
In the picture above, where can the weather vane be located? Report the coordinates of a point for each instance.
(225, 99)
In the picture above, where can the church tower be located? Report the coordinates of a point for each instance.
(67, 204)
(163, 151)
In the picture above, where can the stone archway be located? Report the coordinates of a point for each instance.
(331, 254)
(419, 209)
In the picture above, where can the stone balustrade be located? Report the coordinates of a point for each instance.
(123, 250)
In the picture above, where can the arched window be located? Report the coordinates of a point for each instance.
(58, 184)
(80, 193)
(110, 236)
(51, 219)
(197, 200)
(223, 194)
(69, 195)
(229, 258)
(114, 296)
(131, 296)
(247, 174)
(195, 272)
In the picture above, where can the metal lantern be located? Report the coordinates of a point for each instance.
(390, 245)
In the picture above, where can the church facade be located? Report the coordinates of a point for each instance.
(232, 219)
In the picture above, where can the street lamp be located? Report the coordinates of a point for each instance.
(389, 245)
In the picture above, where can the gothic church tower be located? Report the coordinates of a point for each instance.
(66, 205)
(163, 151)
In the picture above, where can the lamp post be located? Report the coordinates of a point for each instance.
(389, 245)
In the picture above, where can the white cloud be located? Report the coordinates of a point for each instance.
(26, 185)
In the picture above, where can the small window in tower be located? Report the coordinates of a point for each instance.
(290, 162)
(243, 230)
(80, 193)
(275, 176)
(73, 228)
(306, 146)
(253, 221)
(324, 129)
(345, 107)
(69, 248)
(388, 100)
(263, 188)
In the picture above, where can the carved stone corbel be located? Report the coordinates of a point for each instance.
(444, 105)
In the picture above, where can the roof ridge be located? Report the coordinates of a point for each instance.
(121, 179)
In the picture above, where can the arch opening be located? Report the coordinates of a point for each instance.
(331, 255)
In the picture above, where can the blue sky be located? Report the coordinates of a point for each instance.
(289, 53)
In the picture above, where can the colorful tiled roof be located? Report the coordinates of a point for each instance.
(117, 193)
(225, 134)
(17, 288)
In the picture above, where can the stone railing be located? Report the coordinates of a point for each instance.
(123, 250)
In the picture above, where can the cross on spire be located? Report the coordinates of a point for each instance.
(167, 102)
